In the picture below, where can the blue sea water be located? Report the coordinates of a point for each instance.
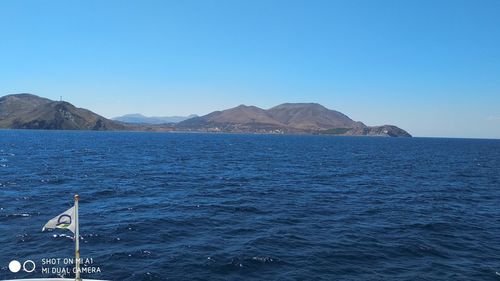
(172, 206)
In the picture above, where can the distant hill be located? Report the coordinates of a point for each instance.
(137, 118)
(309, 118)
(26, 111)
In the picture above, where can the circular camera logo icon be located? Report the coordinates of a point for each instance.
(28, 266)
(14, 266)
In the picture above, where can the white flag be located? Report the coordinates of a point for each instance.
(65, 220)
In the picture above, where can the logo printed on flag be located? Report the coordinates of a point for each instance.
(62, 221)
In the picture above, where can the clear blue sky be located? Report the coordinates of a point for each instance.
(431, 67)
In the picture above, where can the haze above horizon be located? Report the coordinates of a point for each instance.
(430, 67)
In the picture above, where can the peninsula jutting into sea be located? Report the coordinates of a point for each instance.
(27, 111)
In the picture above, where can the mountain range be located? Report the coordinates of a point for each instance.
(137, 118)
(27, 111)
(287, 118)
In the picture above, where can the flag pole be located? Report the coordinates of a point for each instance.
(77, 241)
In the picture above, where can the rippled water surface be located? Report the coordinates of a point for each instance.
(159, 206)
